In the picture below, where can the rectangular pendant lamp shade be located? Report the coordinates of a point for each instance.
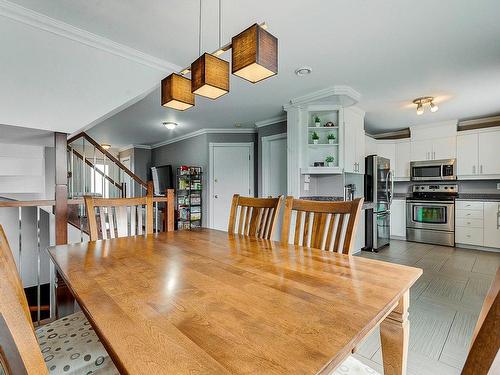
(176, 92)
(254, 54)
(210, 76)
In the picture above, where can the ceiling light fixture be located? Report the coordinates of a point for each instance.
(254, 58)
(303, 70)
(105, 146)
(170, 125)
(420, 102)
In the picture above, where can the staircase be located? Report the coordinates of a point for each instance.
(93, 170)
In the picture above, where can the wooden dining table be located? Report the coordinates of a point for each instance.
(206, 302)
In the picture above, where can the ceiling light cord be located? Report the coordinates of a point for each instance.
(199, 33)
(220, 23)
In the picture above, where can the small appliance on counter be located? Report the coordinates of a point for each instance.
(430, 214)
(349, 191)
(379, 187)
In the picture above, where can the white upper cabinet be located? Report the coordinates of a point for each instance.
(421, 150)
(402, 161)
(387, 149)
(467, 154)
(370, 146)
(444, 148)
(489, 153)
(354, 135)
(492, 224)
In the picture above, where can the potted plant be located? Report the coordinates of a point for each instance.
(317, 121)
(329, 161)
(315, 138)
(331, 138)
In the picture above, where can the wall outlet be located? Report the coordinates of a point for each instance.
(306, 186)
(498, 185)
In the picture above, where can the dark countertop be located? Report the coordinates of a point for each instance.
(322, 198)
(487, 197)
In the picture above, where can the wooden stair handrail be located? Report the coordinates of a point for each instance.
(108, 154)
(88, 162)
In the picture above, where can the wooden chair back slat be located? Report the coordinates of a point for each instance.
(321, 225)
(483, 353)
(118, 217)
(254, 217)
(19, 349)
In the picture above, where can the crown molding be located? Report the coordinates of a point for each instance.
(51, 25)
(346, 96)
(128, 147)
(204, 131)
(270, 121)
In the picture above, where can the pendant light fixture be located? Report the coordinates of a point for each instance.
(255, 54)
(176, 92)
(209, 74)
(420, 102)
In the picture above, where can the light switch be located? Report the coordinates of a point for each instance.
(307, 178)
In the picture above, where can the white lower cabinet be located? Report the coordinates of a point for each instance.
(398, 218)
(492, 224)
(477, 223)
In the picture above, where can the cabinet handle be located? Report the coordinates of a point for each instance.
(473, 169)
(433, 155)
(481, 169)
(498, 219)
(427, 156)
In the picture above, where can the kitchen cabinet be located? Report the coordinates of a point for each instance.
(467, 154)
(491, 235)
(433, 149)
(477, 154)
(398, 218)
(469, 222)
(387, 150)
(354, 136)
(402, 160)
(489, 160)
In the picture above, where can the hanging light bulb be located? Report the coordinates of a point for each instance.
(434, 107)
(420, 109)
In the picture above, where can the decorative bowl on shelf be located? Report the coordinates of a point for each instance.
(329, 124)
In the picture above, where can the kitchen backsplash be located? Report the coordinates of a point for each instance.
(482, 186)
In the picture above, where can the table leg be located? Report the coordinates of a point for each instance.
(394, 334)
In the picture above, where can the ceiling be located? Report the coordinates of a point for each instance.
(389, 51)
(26, 136)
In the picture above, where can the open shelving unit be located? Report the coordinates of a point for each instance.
(188, 200)
(320, 151)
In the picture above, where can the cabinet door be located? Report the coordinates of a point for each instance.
(360, 148)
(489, 161)
(421, 150)
(354, 152)
(387, 150)
(444, 148)
(467, 153)
(402, 160)
(491, 235)
(398, 218)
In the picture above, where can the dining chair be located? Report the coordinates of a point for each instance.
(322, 225)
(256, 217)
(65, 346)
(119, 217)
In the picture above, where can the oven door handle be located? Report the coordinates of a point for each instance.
(430, 203)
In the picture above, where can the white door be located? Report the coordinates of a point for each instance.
(489, 162)
(492, 224)
(444, 148)
(274, 171)
(421, 150)
(402, 160)
(231, 172)
(467, 155)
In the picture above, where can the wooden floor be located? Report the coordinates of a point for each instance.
(444, 307)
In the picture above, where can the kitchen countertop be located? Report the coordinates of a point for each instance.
(486, 197)
(323, 198)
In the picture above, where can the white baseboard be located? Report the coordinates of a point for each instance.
(475, 247)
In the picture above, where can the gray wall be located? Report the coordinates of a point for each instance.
(194, 152)
(142, 163)
(266, 131)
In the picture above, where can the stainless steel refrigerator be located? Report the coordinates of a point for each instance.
(379, 187)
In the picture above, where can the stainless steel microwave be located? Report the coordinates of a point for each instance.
(433, 170)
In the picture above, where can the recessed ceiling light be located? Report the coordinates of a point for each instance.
(303, 70)
(105, 146)
(170, 125)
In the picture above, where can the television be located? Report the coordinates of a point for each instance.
(163, 179)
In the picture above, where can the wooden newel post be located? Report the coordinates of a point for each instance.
(64, 298)
(169, 225)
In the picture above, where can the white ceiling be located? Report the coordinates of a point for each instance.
(389, 51)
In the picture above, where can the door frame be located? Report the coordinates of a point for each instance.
(211, 147)
(264, 165)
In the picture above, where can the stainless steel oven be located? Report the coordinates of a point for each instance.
(433, 170)
(430, 214)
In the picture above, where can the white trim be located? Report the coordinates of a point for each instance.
(264, 165)
(347, 96)
(51, 25)
(211, 147)
(204, 131)
(271, 121)
(479, 121)
(128, 147)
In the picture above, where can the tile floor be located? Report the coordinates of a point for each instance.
(444, 306)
